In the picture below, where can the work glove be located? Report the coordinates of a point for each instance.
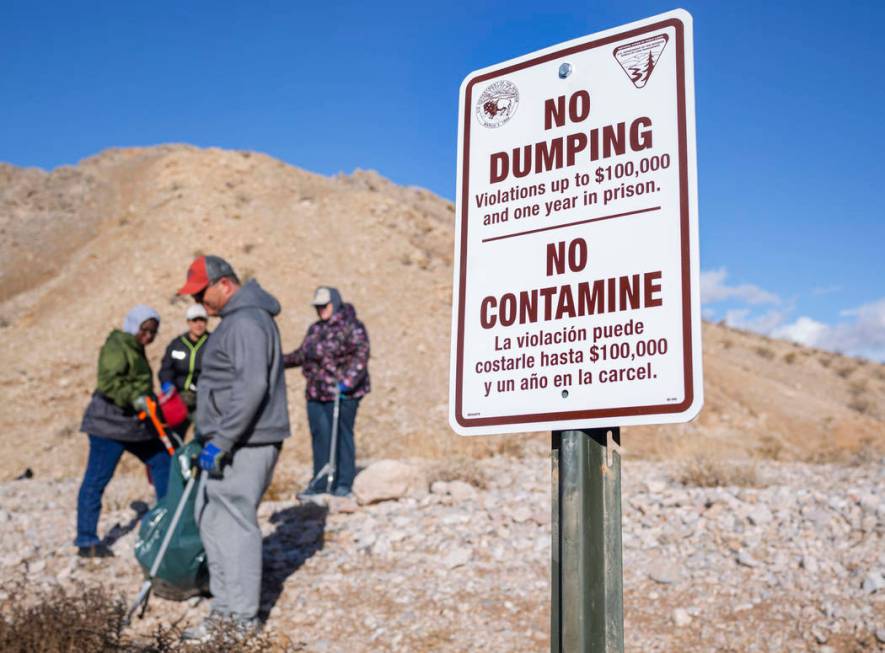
(343, 388)
(140, 404)
(212, 459)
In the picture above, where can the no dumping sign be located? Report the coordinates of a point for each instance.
(576, 300)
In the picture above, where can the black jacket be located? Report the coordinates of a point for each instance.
(183, 362)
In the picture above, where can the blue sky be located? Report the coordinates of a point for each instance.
(789, 109)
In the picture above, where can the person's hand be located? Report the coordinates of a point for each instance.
(343, 388)
(140, 404)
(212, 459)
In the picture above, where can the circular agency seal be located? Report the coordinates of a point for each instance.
(497, 104)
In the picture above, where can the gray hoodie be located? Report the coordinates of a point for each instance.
(241, 398)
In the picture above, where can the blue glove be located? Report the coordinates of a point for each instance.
(212, 459)
(343, 388)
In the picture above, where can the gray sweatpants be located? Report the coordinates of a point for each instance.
(227, 515)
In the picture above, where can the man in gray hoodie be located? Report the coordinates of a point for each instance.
(242, 419)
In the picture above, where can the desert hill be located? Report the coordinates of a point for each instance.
(81, 244)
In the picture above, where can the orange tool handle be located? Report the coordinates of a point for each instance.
(161, 431)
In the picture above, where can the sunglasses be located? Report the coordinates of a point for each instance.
(198, 319)
(198, 296)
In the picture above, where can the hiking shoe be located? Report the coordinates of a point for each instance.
(343, 492)
(246, 628)
(309, 493)
(95, 551)
(204, 631)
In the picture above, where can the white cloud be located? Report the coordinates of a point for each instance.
(863, 334)
(860, 333)
(805, 331)
(743, 318)
(715, 289)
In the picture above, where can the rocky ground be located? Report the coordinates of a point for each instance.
(773, 557)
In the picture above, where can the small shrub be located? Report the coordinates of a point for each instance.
(702, 471)
(726, 344)
(826, 361)
(846, 370)
(770, 447)
(248, 247)
(790, 357)
(457, 469)
(91, 621)
(765, 352)
(511, 447)
(860, 404)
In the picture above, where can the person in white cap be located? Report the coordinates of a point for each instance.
(334, 358)
(183, 360)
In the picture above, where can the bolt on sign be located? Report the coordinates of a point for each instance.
(576, 301)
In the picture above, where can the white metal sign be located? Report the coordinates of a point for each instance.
(576, 300)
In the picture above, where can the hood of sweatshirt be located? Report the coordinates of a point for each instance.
(138, 316)
(251, 295)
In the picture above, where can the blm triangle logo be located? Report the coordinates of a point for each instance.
(638, 59)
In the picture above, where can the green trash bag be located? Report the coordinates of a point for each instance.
(183, 573)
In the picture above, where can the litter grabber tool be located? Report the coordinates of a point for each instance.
(328, 469)
(151, 413)
(141, 601)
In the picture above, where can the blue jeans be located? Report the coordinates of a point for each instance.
(319, 416)
(104, 454)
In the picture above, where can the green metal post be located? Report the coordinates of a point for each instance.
(587, 610)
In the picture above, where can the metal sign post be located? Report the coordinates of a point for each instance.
(587, 608)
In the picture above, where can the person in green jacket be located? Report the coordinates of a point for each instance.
(111, 421)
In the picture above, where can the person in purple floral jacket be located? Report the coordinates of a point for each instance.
(334, 358)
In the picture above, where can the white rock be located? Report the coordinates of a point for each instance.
(461, 491)
(873, 582)
(664, 571)
(439, 487)
(809, 564)
(388, 479)
(457, 557)
(746, 560)
(655, 487)
(681, 617)
(759, 515)
(521, 514)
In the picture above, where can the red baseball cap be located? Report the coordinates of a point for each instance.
(204, 271)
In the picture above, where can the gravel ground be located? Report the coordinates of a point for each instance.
(794, 563)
